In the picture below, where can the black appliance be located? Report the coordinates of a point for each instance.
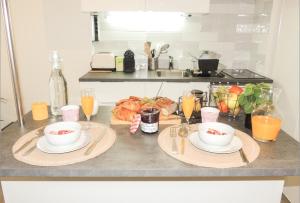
(207, 67)
(129, 62)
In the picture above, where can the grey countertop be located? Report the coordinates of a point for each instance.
(151, 76)
(139, 156)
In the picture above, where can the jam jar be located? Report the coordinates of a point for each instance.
(150, 120)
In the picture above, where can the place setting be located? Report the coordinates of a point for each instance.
(68, 141)
(209, 143)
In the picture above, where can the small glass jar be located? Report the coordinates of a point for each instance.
(266, 120)
(150, 120)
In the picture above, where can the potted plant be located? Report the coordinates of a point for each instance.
(251, 98)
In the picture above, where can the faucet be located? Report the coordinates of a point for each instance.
(171, 64)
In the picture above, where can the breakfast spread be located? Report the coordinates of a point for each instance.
(126, 109)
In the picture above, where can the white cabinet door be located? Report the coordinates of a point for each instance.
(108, 93)
(112, 5)
(174, 90)
(191, 6)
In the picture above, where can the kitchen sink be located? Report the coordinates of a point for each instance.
(171, 73)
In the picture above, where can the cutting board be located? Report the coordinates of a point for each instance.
(172, 121)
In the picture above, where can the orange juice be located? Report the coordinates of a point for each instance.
(265, 128)
(87, 103)
(188, 103)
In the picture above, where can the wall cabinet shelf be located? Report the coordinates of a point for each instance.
(189, 6)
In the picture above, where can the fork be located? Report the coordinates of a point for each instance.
(173, 136)
(39, 133)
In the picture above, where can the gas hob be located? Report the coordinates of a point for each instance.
(242, 74)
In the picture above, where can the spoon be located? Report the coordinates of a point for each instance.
(183, 133)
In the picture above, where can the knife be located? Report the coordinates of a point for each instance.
(244, 158)
(92, 147)
(29, 150)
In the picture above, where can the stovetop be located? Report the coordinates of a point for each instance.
(242, 74)
(231, 73)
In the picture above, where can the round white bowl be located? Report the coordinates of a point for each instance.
(217, 140)
(65, 139)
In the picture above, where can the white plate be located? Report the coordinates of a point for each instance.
(235, 145)
(44, 146)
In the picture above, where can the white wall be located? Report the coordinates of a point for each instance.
(234, 29)
(41, 26)
(284, 70)
(7, 113)
(69, 31)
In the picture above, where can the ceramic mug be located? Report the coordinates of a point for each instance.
(70, 113)
(209, 114)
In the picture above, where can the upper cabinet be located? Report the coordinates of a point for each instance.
(189, 6)
(113, 5)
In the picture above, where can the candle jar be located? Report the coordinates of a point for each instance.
(150, 120)
(39, 111)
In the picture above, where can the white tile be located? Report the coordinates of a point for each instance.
(200, 37)
(122, 35)
(236, 29)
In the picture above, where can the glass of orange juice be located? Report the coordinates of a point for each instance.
(188, 103)
(265, 127)
(87, 102)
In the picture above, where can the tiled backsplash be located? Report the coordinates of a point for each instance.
(236, 29)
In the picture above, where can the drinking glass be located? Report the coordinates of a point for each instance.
(87, 102)
(188, 104)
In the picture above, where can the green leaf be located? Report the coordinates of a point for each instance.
(248, 91)
(242, 99)
(248, 108)
(257, 92)
(259, 101)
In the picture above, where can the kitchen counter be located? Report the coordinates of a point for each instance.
(151, 76)
(139, 156)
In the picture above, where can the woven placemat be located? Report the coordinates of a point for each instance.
(195, 156)
(39, 158)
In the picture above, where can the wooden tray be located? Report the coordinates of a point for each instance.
(172, 121)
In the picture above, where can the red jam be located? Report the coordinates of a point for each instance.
(150, 120)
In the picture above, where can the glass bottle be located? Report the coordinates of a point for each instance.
(57, 85)
(266, 120)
